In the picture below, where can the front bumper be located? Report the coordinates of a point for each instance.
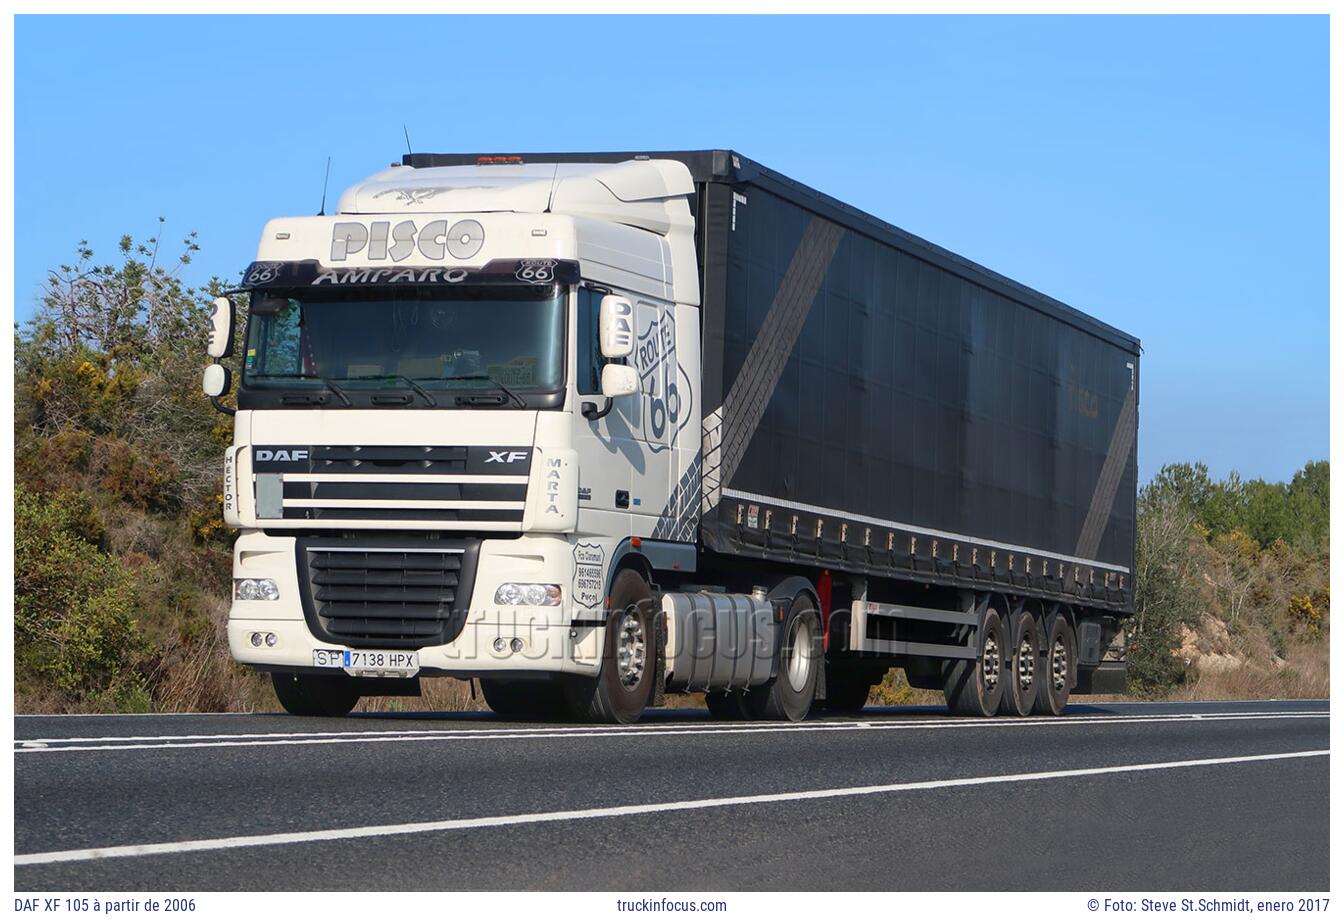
(549, 643)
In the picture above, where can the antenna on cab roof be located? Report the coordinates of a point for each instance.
(408, 137)
(322, 211)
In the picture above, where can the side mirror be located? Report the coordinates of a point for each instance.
(215, 381)
(220, 343)
(616, 327)
(619, 380)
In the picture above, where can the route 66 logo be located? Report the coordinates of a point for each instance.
(536, 271)
(262, 272)
(664, 382)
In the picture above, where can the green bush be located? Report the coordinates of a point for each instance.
(74, 621)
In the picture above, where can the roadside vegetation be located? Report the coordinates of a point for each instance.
(122, 562)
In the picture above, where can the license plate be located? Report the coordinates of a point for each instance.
(367, 662)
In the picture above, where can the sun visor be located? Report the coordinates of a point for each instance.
(311, 273)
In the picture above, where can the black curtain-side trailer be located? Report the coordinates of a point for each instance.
(876, 404)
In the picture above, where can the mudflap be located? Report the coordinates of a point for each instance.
(660, 663)
(1107, 677)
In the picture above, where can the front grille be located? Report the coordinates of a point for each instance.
(396, 459)
(460, 488)
(392, 592)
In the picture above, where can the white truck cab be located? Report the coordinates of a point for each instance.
(461, 398)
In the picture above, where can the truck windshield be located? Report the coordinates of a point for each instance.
(498, 339)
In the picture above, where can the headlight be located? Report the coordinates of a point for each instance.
(255, 589)
(511, 594)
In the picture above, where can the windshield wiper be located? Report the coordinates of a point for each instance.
(323, 380)
(522, 403)
(410, 381)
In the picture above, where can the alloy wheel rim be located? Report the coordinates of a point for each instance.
(1026, 665)
(798, 653)
(1059, 665)
(631, 649)
(989, 662)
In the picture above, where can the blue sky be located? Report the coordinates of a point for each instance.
(1166, 174)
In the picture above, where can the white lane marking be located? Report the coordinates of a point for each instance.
(531, 734)
(673, 727)
(187, 715)
(129, 715)
(617, 811)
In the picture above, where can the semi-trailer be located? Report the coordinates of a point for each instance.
(590, 428)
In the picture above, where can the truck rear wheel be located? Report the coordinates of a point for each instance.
(314, 694)
(788, 696)
(1020, 679)
(974, 686)
(522, 699)
(625, 684)
(1052, 692)
(727, 705)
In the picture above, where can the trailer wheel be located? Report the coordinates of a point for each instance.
(1022, 675)
(1052, 692)
(788, 696)
(974, 686)
(630, 655)
(727, 705)
(523, 699)
(314, 694)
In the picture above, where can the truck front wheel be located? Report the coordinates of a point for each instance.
(314, 694)
(625, 684)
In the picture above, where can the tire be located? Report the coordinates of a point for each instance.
(1057, 677)
(727, 705)
(974, 686)
(788, 696)
(625, 684)
(1023, 671)
(325, 695)
(523, 699)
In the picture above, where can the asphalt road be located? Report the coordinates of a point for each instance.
(1111, 797)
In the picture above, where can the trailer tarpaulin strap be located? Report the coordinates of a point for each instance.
(1103, 497)
(728, 429)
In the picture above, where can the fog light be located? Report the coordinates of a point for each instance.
(255, 589)
(500, 644)
(256, 640)
(516, 645)
(512, 594)
(271, 639)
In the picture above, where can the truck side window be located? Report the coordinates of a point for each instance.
(589, 377)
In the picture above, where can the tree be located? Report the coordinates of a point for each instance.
(1309, 507)
(1165, 597)
(111, 363)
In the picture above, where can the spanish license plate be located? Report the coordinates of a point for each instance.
(368, 662)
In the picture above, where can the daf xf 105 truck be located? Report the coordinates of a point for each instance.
(594, 427)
